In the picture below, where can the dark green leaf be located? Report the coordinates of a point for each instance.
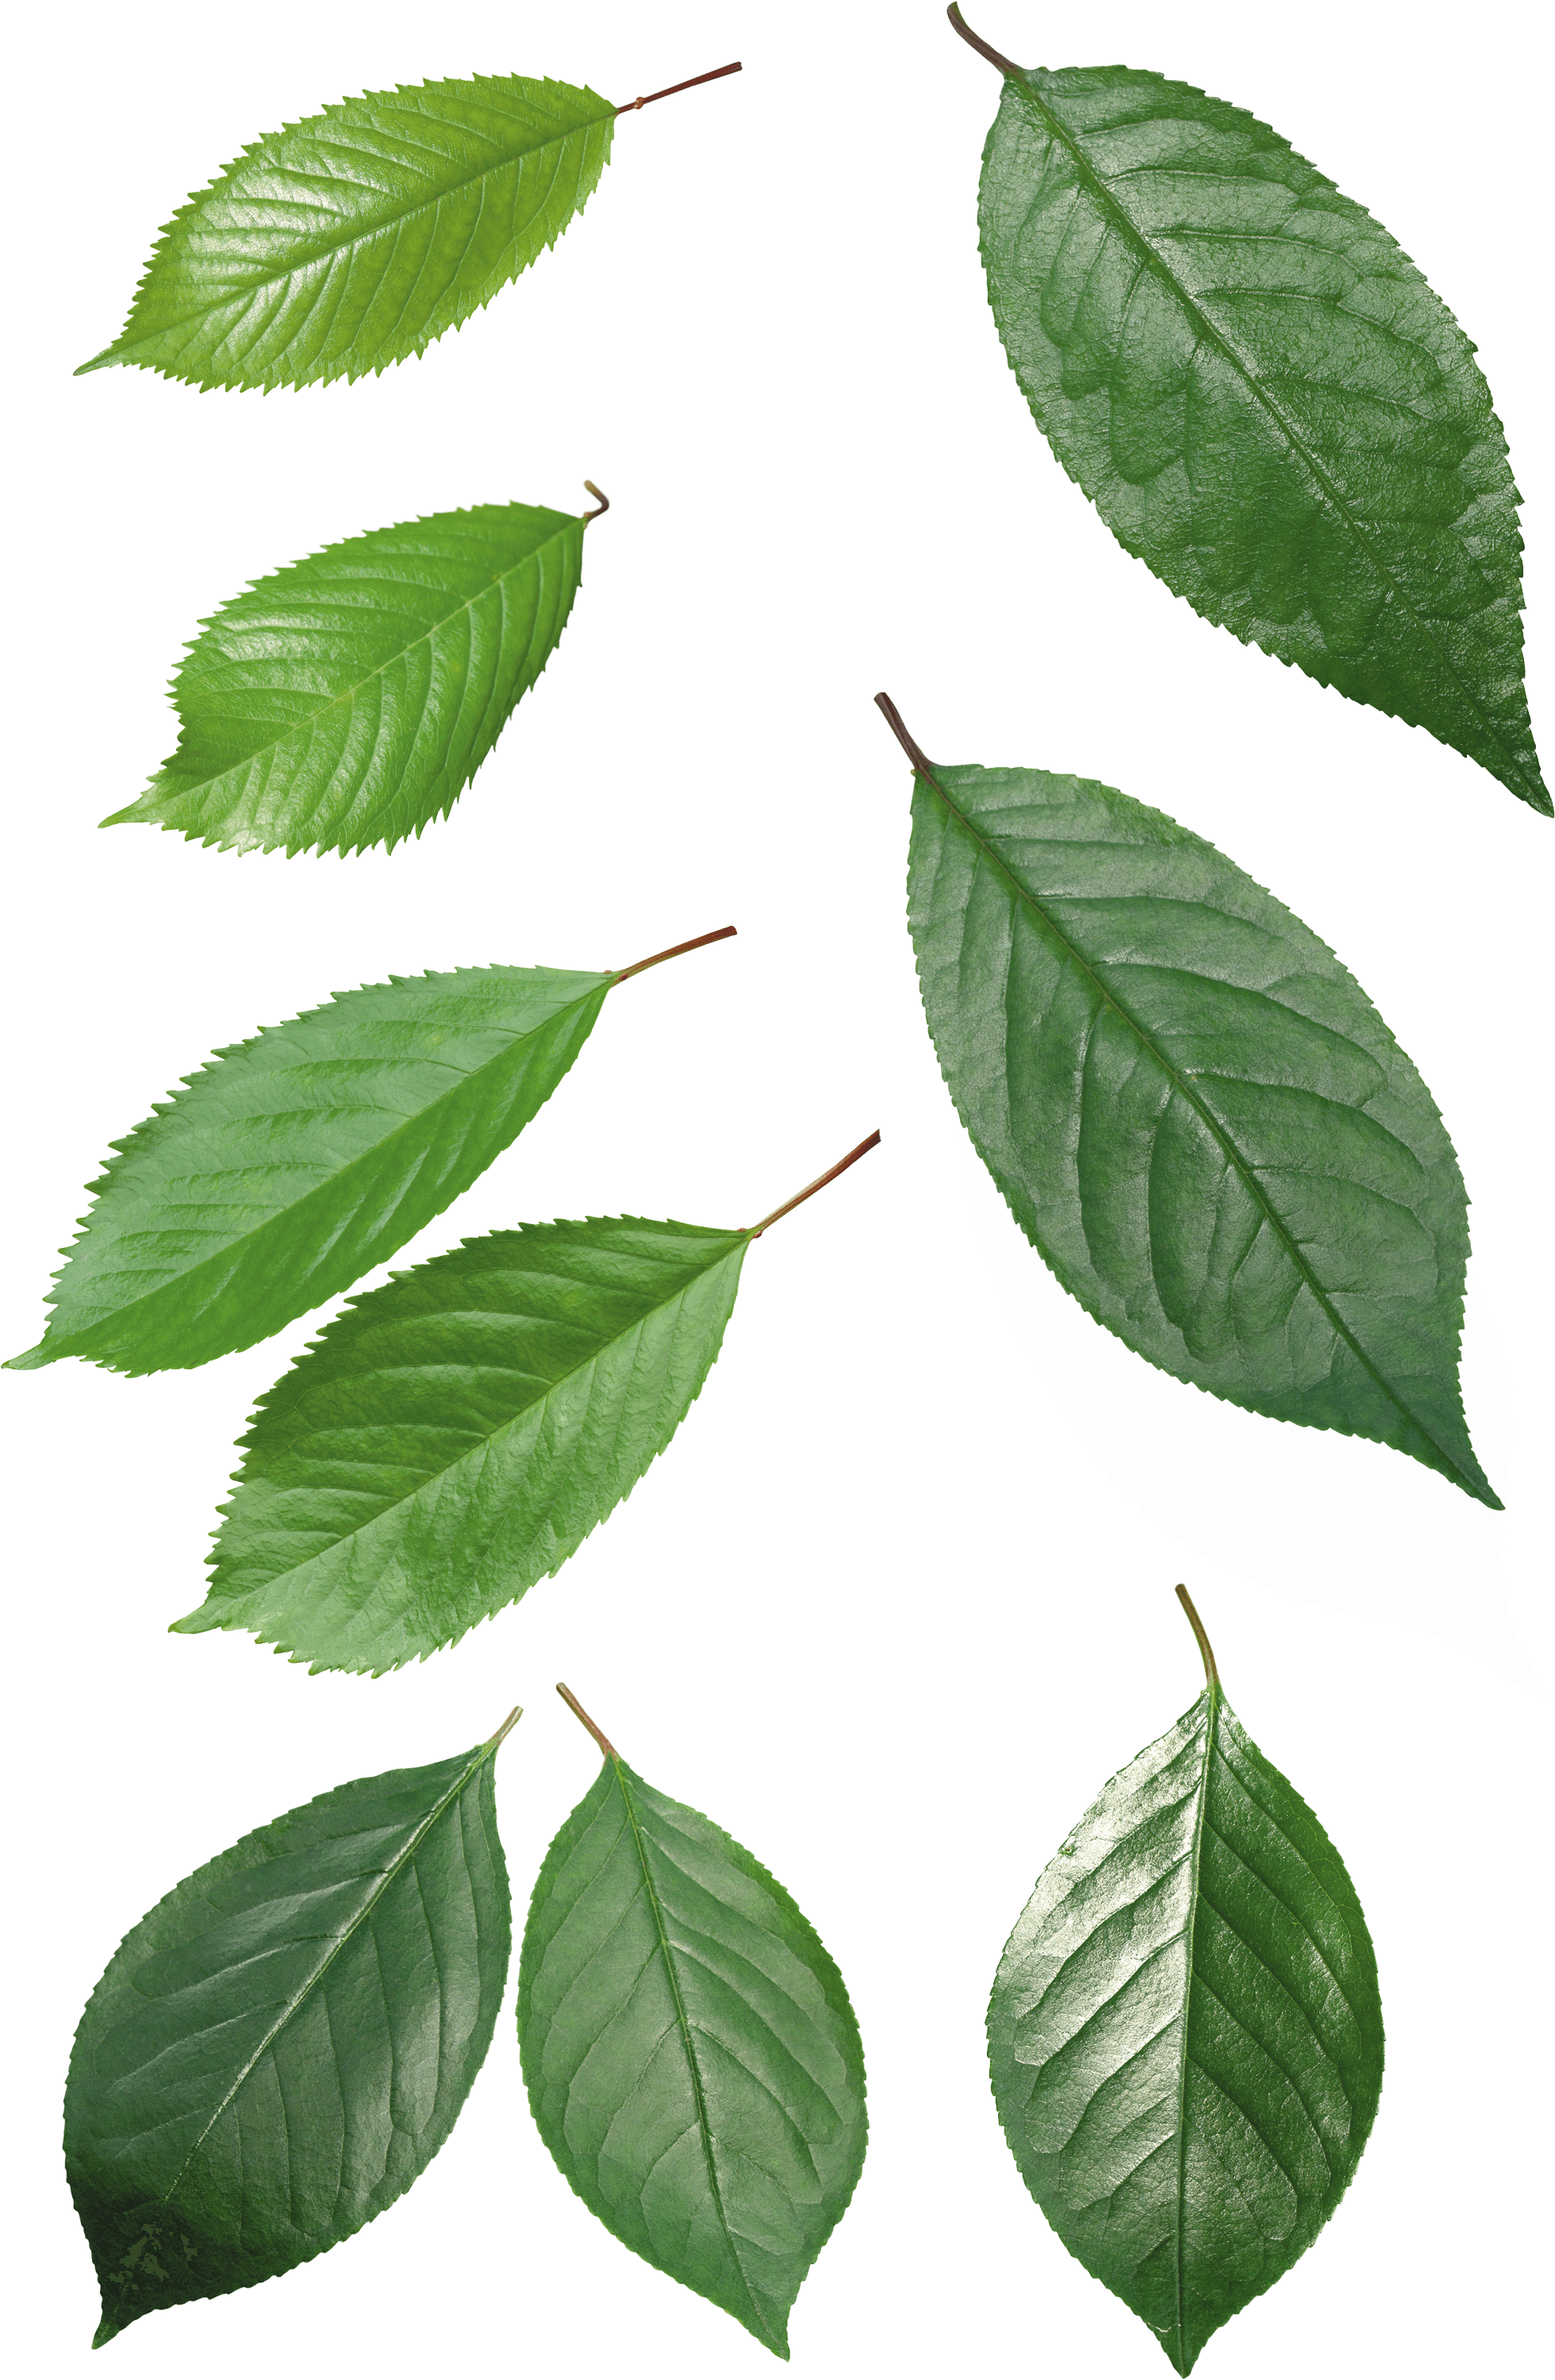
(1185, 2035)
(1195, 1115)
(1261, 395)
(452, 1436)
(281, 2047)
(358, 237)
(1339, 1521)
(349, 698)
(292, 1163)
(692, 2060)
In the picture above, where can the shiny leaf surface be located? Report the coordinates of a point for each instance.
(1263, 397)
(283, 2045)
(1184, 2034)
(1339, 1521)
(358, 237)
(292, 1163)
(692, 2060)
(1193, 1110)
(348, 699)
(452, 1436)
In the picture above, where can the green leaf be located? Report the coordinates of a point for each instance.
(1185, 2035)
(1261, 395)
(349, 698)
(293, 1162)
(358, 237)
(1339, 1521)
(1194, 1111)
(283, 2045)
(692, 2060)
(452, 1437)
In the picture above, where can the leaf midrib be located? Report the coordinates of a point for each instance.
(481, 1754)
(1213, 336)
(1211, 1715)
(477, 1453)
(703, 2126)
(1246, 1172)
(305, 723)
(318, 253)
(281, 1216)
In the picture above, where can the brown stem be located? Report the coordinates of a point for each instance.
(895, 722)
(670, 88)
(976, 42)
(509, 1723)
(1212, 1675)
(819, 1183)
(698, 942)
(603, 504)
(579, 1712)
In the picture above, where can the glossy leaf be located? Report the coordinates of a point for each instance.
(1192, 1109)
(1184, 2034)
(281, 2047)
(1339, 1521)
(692, 2060)
(1262, 396)
(358, 237)
(452, 1437)
(292, 1163)
(349, 698)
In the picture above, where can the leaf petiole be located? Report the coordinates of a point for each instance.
(810, 1190)
(894, 720)
(509, 1723)
(579, 1712)
(1211, 1675)
(676, 950)
(602, 506)
(976, 42)
(670, 88)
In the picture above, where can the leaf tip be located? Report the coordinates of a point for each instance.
(29, 1359)
(96, 363)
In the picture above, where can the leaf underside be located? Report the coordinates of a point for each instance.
(1339, 1521)
(692, 2060)
(293, 1163)
(1264, 399)
(358, 237)
(280, 2048)
(1193, 1110)
(1184, 2034)
(453, 1437)
(348, 699)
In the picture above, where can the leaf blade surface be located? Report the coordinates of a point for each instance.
(691, 2056)
(348, 699)
(293, 1162)
(452, 1437)
(280, 2048)
(1263, 397)
(1185, 2033)
(1191, 1110)
(355, 238)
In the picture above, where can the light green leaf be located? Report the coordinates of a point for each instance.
(1339, 1521)
(282, 2046)
(349, 698)
(1264, 399)
(293, 1162)
(692, 2060)
(1185, 2035)
(1194, 1111)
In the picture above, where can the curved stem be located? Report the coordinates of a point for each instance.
(579, 1712)
(670, 88)
(1211, 1675)
(895, 722)
(819, 1183)
(602, 506)
(509, 1723)
(976, 42)
(698, 942)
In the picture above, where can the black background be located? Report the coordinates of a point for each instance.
(878, 1609)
